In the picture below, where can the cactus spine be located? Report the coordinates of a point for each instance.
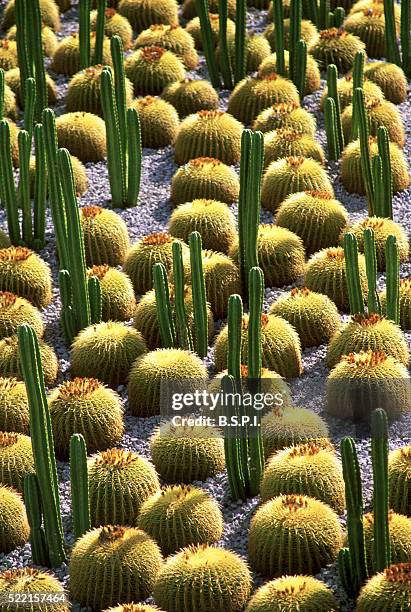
(80, 506)
(32, 499)
(42, 442)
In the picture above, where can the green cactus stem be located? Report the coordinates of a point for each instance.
(23, 46)
(115, 159)
(24, 186)
(379, 453)
(67, 318)
(183, 331)
(338, 17)
(100, 26)
(358, 81)
(324, 15)
(294, 37)
(332, 76)
(29, 106)
(240, 63)
(405, 36)
(208, 45)
(164, 311)
(278, 15)
(352, 562)
(225, 60)
(32, 500)
(33, 30)
(331, 129)
(300, 67)
(117, 56)
(42, 443)
(134, 156)
(80, 506)
(40, 189)
(386, 188)
(2, 88)
(84, 33)
(373, 301)
(94, 293)
(199, 295)
(9, 194)
(366, 167)
(393, 52)
(392, 259)
(355, 295)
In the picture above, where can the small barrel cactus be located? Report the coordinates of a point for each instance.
(309, 33)
(336, 46)
(171, 37)
(84, 405)
(10, 364)
(49, 14)
(315, 216)
(201, 578)
(117, 295)
(282, 115)
(14, 527)
(213, 220)
(205, 177)
(29, 582)
(399, 474)
(307, 469)
(292, 175)
(193, 27)
(143, 13)
(12, 78)
(25, 274)
(48, 38)
(8, 54)
(83, 134)
(314, 316)
(312, 76)
(368, 332)
(150, 69)
(361, 381)
(399, 527)
(124, 478)
(106, 239)
(280, 346)
(251, 95)
(14, 406)
(66, 58)
(106, 351)
(290, 522)
(405, 303)
(222, 279)
(14, 311)
(207, 133)
(140, 259)
(103, 554)
(10, 111)
(290, 593)
(158, 122)
(184, 453)
(369, 26)
(257, 49)
(180, 516)
(189, 96)
(388, 590)
(379, 113)
(280, 255)
(115, 25)
(189, 8)
(286, 142)
(345, 89)
(16, 459)
(79, 176)
(288, 426)
(390, 78)
(159, 372)
(325, 273)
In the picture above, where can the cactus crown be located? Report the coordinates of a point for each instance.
(94, 71)
(333, 33)
(210, 114)
(405, 284)
(78, 388)
(199, 162)
(111, 533)
(335, 253)
(110, 12)
(244, 371)
(115, 457)
(300, 292)
(291, 590)
(91, 211)
(294, 502)
(365, 358)
(284, 108)
(157, 239)
(369, 517)
(309, 449)
(7, 438)
(152, 54)
(14, 576)
(99, 271)
(373, 102)
(272, 76)
(295, 161)
(8, 384)
(322, 195)
(373, 222)
(288, 134)
(400, 573)
(146, 101)
(4, 44)
(372, 12)
(15, 253)
(406, 452)
(367, 319)
(7, 299)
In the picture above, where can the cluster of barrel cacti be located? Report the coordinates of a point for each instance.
(139, 318)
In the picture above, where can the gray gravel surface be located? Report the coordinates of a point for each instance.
(152, 215)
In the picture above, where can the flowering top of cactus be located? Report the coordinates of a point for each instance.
(400, 573)
(284, 108)
(157, 238)
(116, 457)
(272, 76)
(365, 359)
(405, 284)
(210, 114)
(111, 533)
(198, 162)
(152, 54)
(13, 576)
(373, 12)
(295, 161)
(318, 193)
(91, 211)
(78, 387)
(309, 449)
(367, 319)
(294, 503)
(15, 253)
(7, 299)
(7, 439)
(99, 271)
(8, 383)
(333, 33)
(289, 134)
(110, 12)
(335, 252)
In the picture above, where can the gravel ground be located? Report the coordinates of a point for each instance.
(308, 390)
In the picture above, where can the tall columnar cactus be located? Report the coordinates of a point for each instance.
(385, 206)
(80, 506)
(297, 48)
(42, 443)
(163, 305)
(199, 295)
(255, 300)
(331, 129)
(84, 33)
(364, 133)
(358, 81)
(393, 52)
(278, 14)
(29, 105)
(23, 198)
(251, 165)
(355, 295)
(324, 14)
(67, 318)
(379, 453)
(40, 189)
(182, 331)
(332, 76)
(32, 500)
(124, 151)
(373, 301)
(352, 561)
(405, 36)
(23, 47)
(8, 188)
(2, 88)
(225, 60)
(35, 46)
(207, 40)
(338, 17)
(240, 40)
(100, 26)
(392, 259)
